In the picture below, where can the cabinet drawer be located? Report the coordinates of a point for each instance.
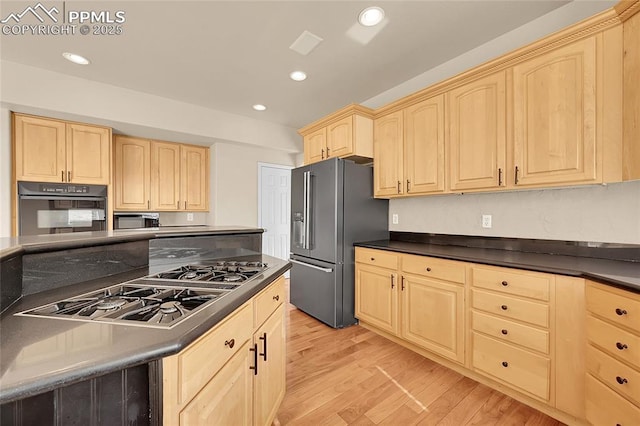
(613, 340)
(517, 367)
(618, 376)
(267, 301)
(527, 284)
(617, 306)
(448, 270)
(509, 331)
(605, 407)
(511, 307)
(377, 257)
(203, 358)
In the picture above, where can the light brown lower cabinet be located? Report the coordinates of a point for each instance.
(521, 332)
(235, 373)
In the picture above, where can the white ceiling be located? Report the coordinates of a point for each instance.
(229, 55)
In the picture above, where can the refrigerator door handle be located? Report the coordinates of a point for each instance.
(328, 270)
(307, 215)
(304, 211)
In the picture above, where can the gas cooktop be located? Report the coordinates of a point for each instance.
(159, 300)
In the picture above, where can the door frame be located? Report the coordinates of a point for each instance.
(262, 165)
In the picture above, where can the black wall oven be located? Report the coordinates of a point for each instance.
(55, 208)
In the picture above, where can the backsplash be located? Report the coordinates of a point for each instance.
(182, 218)
(595, 213)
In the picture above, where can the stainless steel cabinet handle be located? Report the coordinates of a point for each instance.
(320, 268)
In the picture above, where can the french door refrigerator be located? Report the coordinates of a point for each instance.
(332, 206)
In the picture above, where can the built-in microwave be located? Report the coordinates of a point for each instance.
(122, 220)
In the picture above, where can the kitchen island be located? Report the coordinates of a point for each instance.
(40, 355)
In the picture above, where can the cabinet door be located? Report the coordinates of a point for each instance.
(226, 399)
(554, 116)
(132, 173)
(477, 134)
(432, 316)
(377, 297)
(270, 382)
(165, 176)
(424, 146)
(39, 149)
(340, 138)
(387, 155)
(315, 145)
(194, 178)
(88, 154)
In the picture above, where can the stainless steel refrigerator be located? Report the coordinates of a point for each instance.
(332, 206)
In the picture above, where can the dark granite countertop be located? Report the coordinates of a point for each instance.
(51, 242)
(624, 274)
(41, 354)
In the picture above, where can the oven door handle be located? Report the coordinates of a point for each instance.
(57, 197)
(320, 268)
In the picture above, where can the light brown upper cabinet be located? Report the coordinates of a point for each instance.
(388, 154)
(424, 147)
(132, 173)
(160, 176)
(48, 150)
(555, 117)
(347, 133)
(477, 124)
(409, 150)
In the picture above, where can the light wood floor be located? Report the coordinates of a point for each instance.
(354, 377)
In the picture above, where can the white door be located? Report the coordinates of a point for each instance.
(274, 204)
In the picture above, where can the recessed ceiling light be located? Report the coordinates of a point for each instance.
(259, 107)
(76, 59)
(298, 75)
(371, 16)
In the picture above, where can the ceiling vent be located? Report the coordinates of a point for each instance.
(305, 43)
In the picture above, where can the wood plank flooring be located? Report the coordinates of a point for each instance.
(355, 377)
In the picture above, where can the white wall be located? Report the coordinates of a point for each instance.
(5, 172)
(235, 181)
(593, 213)
(600, 213)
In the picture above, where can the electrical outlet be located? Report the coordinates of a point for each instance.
(394, 219)
(189, 217)
(486, 221)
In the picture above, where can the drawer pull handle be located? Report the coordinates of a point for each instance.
(505, 364)
(230, 343)
(504, 283)
(505, 331)
(621, 346)
(503, 307)
(621, 311)
(264, 338)
(373, 259)
(428, 269)
(621, 380)
(276, 297)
